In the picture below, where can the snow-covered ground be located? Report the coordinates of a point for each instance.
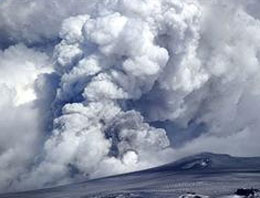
(203, 175)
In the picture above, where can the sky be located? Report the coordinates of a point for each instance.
(101, 87)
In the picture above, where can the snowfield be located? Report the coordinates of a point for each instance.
(200, 176)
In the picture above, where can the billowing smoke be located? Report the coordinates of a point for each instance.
(95, 88)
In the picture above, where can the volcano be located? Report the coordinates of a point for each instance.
(202, 175)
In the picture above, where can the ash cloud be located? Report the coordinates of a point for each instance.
(95, 88)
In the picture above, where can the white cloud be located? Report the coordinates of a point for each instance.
(20, 120)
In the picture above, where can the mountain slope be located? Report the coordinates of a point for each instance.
(208, 174)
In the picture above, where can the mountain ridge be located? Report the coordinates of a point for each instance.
(206, 173)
